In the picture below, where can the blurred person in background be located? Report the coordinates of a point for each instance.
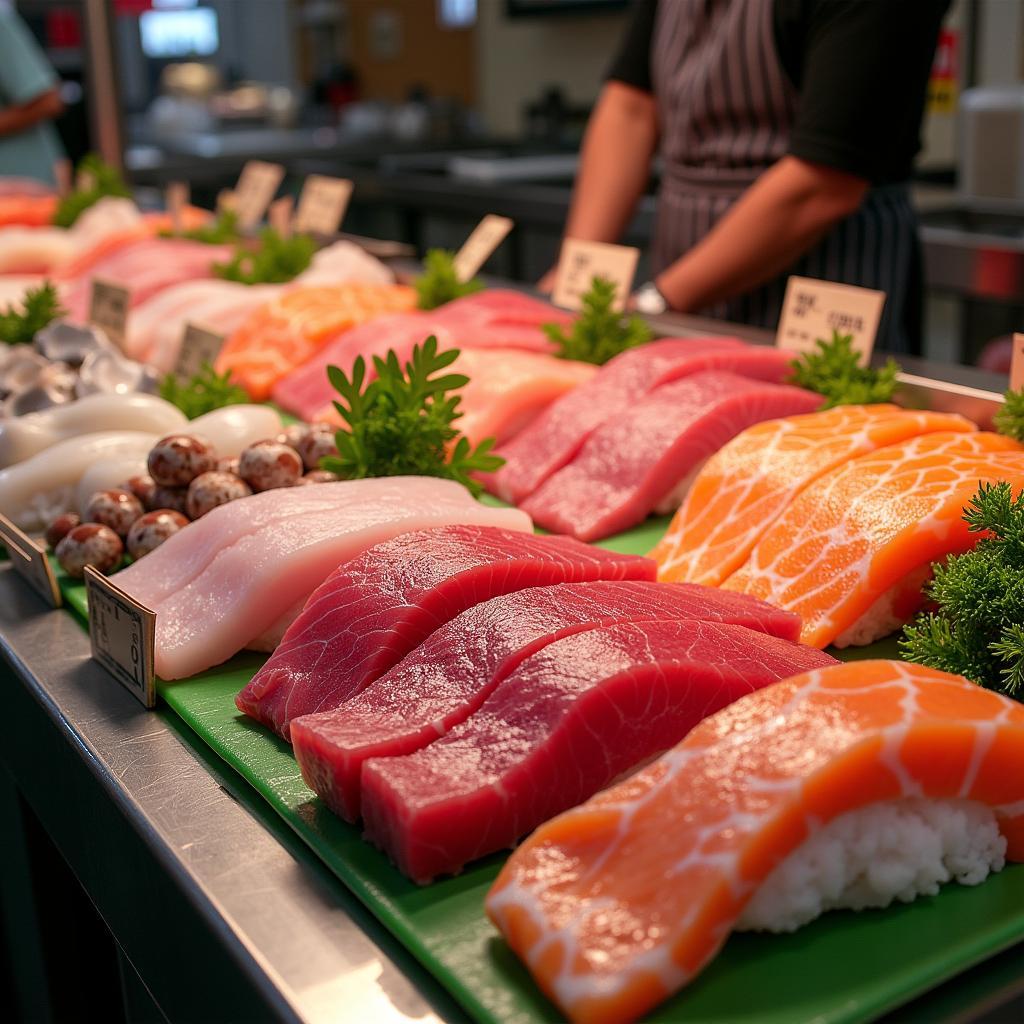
(787, 131)
(29, 101)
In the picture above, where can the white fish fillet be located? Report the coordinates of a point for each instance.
(234, 427)
(251, 583)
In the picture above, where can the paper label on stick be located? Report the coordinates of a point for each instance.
(257, 184)
(580, 262)
(62, 175)
(225, 201)
(280, 216)
(198, 345)
(322, 204)
(122, 633)
(29, 560)
(1017, 363)
(813, 309)
(477, 249)
(108, 308)
(177, 198)
(85, 181)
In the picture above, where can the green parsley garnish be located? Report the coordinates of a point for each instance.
(206, 391)
(222, 231)
(1009, 420)
(39, 306)
(401, 422)
(978, 628)
(104, 180)
(438, 283)
(599, 333)
(275, 260)
(835, 371)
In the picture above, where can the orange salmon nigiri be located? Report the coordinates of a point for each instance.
(744, 488)
(852, 550)
(283, 334)
(615, 905)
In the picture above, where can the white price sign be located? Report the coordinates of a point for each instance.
(198, 345)
(30, 562)
(477, 249)
(580, 262)
(257, 185)
(322, 204)
(813, 309)
(108, 308)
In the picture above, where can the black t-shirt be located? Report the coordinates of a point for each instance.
(861, 68)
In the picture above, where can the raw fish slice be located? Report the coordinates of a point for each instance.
(145, 268)
(633, 464)
(850, 554)
(284, 334)
(307, 392)
(745, 486)
(25, 210)
(566, 723)
(181, 558)
(343, 261)
(501, 318)
(372, 611)
(249, 585)
(444, 680)
(619, 903)
(509, 388)
(554, 437)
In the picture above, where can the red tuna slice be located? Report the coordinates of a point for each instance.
(567, 722)
(501, 318)
(374, 609)
(636, 461)
(554, 437)
(448, 677)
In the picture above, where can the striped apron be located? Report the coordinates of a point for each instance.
(726, 108)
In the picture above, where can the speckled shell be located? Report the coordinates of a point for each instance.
(114, 508)
(208, 491)
(151, 530)
(176, 460)
(89, 544)
(269, 464)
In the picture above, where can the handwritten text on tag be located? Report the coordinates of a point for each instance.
(580, 262)
(476, 250)
(813, 309)
(30, 562)
(122, 633)
(256, 186)
(198, 345)
(108, 308)
(322, 204)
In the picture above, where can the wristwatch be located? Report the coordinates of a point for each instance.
(647, 299)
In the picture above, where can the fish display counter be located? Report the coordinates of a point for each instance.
(182, 847)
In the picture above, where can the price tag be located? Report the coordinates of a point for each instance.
(280, 216)
(198, 345)
(177, 197)
(85, 181)
(108, 308)
(814, 309)
(322, 204)
(62, 176)
(1017, 363)
(30, 562)
(256, 187)
(122, 633)
(225, 200)
(580, 262)
(476, 250)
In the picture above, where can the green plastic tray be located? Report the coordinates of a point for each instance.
(844, 967)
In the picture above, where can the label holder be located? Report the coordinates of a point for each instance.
(29, 561)
(199, 345)
(813, 309)
(580, 262)
(322, 204)
(108, 309)
(122, 635)
(257, 185)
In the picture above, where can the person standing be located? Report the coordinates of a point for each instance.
(29, 101)
(787, 131)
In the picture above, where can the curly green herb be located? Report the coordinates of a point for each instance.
(976, 630)
(402, 422)
(1009, 420)
(834, 371)
(600, 332)
(222, 231)
(439, 283)
(103, 179)
(206, 391)
(276, 260)
(38, 307)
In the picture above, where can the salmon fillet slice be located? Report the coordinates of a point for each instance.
(282, 335)
(851, 552)
(619, 903)
(747, 484)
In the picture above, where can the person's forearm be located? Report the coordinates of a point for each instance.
(18, 118)
(615, 163)
(789, 208)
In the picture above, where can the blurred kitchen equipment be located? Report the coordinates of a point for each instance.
(992, 143)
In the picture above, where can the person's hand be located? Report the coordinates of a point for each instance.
(547, 283)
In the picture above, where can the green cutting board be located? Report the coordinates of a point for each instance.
(844, 967)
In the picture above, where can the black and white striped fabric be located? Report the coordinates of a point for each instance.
(726, 108)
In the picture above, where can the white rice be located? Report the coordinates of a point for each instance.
(895, 850)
